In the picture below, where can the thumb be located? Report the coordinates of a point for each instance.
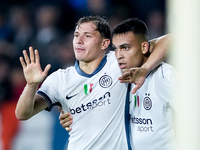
(47, 68)
(135, 89)
(60, 109)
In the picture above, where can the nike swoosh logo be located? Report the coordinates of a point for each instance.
(69, 97)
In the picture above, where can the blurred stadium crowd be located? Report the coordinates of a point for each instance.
(48, 26)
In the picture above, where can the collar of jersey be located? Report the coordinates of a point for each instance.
(154, 70)
(101, 65)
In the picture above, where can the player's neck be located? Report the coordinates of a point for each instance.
(90, 67)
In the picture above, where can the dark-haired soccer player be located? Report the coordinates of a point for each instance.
(90, 90)
(151, 107)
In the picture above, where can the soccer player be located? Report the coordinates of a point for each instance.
(151, 107)
(89, 90)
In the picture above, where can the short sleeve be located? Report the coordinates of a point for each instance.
(49, 90)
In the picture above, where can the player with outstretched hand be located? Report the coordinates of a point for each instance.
(89, 90)
(151, 107)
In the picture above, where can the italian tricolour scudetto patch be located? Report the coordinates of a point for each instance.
(137, 101)
(88, 88)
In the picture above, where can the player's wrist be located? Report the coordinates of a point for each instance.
(146, 68)
(33, 85)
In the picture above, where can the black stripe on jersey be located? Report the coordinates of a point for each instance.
(127, 117)
(46, 97)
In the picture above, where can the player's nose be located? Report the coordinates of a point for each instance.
(118, 54)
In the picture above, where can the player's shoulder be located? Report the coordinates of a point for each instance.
(164, 69)
(163, 72)
(167, 69)
(61, 72)
(111, 54)
(167, 66)
(68, 69)
(111, 57)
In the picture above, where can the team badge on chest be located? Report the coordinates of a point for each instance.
(147, 103)
(105, 81)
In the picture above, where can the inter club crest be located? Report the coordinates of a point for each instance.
(105, 81)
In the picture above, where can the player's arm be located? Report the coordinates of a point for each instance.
(158, 53)
(29, 103)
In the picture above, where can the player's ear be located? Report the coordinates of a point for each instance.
(105, 44)
(145, 47)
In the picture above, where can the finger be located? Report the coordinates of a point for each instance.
(126, 75)
(133, 69)
(67, 124)
(63, 116)
(68, 119)
(47, 68)
(32, 57)
(120, 78)
(62, 122)
(27, 60)
(60, 109)
(66, 116)
(135, 89)
(60, 116)
(22, 62)
(68, 128)
(37, 57)
(125, 81)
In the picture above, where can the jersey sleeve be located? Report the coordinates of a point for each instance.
(49, 90)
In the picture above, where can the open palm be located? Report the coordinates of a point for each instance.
(32, 68)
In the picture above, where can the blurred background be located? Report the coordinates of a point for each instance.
(48, 26)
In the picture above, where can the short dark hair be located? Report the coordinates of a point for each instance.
(132, 25)
(101, 25)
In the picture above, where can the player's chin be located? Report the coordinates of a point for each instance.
(80, 58)
(124, 70)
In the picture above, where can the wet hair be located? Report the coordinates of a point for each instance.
(101, 25)
(132, 25)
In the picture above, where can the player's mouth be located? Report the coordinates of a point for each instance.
(122, 65)
(79, 49)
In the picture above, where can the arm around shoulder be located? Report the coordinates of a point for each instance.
(159, 49)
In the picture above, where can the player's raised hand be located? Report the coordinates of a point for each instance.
(32, 68)
(134, 75)
(66, 119)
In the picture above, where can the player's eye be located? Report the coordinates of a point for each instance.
(75, 35)
(125, 47)
(88, 36)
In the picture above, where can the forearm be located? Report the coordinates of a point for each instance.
(159, 51)
(25, 106)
